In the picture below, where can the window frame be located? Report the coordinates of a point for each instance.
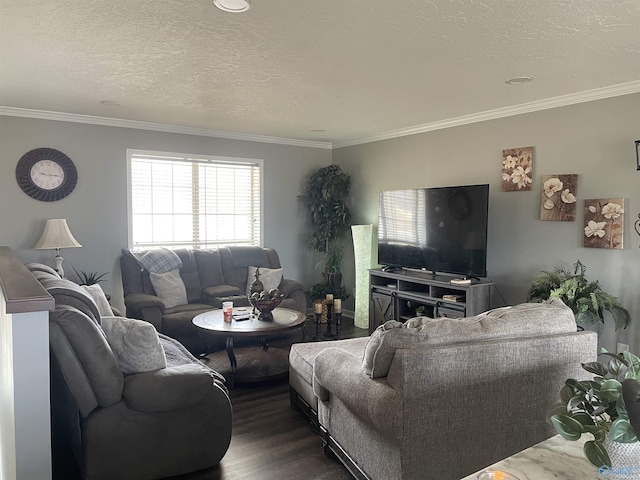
(130, 152)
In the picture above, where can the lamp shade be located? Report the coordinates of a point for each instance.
(56, 235)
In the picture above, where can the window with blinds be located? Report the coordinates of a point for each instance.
(197, 202)
(402, 216)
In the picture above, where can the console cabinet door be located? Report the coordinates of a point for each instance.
(381, 310)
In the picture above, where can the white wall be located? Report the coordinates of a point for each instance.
(97, 209)
(594, 140)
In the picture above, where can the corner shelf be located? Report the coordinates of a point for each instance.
(397, 295)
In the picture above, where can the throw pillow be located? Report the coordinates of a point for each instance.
(97, 294)
(169, 287)
(135, 344)
(270, 278)
(382, 345)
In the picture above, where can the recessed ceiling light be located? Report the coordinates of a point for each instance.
(233, 6)
(317, 130)
(519, 80)
(110, 103)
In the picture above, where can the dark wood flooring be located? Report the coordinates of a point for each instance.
(271, 440)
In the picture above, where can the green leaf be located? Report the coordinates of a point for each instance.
(610, 390)
(577, 401)
(596, 454)
(557, 408)
(621, 431)
(566, 394)
(597, 368)
(577, 386)
(599, 432)
(567, 426)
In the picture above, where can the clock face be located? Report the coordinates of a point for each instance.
(46, 174)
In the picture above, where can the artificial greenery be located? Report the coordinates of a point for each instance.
(319, 291)
(587, 299)
(325, 195)
(88, 278)
(597, 406)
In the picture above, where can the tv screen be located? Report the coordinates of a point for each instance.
(441, 230)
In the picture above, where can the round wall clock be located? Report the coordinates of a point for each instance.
(46, 174)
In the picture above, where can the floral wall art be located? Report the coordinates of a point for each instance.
(517, 169)
(558, 201)
(604, 223)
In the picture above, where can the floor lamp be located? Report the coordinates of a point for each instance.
(57, 235)
(362, 244)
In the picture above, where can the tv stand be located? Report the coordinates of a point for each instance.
(404, 294)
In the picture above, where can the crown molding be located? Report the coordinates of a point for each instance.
(156, 127)
(561, 101)
(549, 103)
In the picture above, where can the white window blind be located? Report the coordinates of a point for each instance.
(183, 201)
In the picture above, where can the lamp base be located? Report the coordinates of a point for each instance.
(58, 259)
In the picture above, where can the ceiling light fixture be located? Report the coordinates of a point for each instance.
(110, 103)
(519, 80)
(233, 6)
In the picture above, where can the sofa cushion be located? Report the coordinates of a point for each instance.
(169, 288)
(135, 344)
(270, 278)
(209, 267)
(65, 292)
(527, 319)
(97, 294)
(382, 346)
(86, 346)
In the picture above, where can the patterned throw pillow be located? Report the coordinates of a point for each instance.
(170, 288)
(270, 278)
(135, 344)
(97, 294)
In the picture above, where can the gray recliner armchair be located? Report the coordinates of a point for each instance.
(162, 422)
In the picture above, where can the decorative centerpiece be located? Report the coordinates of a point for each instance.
(265, 303)
(597, 408)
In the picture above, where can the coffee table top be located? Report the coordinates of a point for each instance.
(283, 320)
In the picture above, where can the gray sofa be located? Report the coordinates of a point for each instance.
(127, 403)
(440, 398)
(210, 277)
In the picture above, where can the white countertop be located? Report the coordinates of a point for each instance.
(553, 459)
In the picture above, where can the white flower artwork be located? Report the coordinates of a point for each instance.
(604, 223)
(517, 169)
(558, 198)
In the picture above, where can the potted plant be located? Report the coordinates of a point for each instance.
(88, 278)
(325, 195)
(597, 407)
(587, 299)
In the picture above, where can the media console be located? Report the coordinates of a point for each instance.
(397, 295)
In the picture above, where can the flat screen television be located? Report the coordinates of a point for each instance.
(441, 230)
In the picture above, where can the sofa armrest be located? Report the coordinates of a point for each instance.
(169, 388)
(338, 372)
(138, 301)
(287, 286)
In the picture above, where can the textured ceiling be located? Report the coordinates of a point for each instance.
(355, 69)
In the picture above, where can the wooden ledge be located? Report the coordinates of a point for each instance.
(23, 293)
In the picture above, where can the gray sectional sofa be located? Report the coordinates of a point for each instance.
(440, 398)
(127, 402)
(210, 277)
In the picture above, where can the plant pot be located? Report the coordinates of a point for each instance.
(625, 460)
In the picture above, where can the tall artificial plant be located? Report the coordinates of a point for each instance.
(325, 196)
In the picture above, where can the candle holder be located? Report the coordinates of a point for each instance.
(318, 336)
(329, 334)
(338, 335)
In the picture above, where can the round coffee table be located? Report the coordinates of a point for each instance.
(283, 320)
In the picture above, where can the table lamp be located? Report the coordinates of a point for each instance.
(57, 235)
